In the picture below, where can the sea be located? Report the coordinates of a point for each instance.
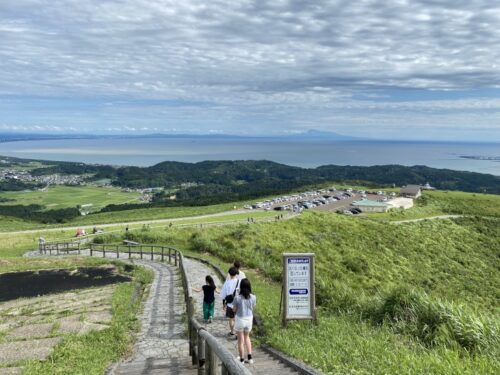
(481, 157)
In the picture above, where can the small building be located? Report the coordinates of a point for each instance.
(411, 191)
(367, 205)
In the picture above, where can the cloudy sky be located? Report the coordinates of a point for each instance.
(416, 69)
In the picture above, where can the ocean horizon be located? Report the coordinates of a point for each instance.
(310, 153)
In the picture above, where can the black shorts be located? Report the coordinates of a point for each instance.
(229, 312)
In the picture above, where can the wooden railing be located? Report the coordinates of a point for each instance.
(60, 247)
(210, 356)
(205, 350)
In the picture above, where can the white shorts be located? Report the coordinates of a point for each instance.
(243, 324)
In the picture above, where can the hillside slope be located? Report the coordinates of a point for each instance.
(412, 298)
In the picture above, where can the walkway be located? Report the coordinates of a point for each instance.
(161, 347)
(439, 217)
(264, 363)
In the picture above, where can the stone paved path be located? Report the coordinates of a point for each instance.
(162, 347)
(264, 363)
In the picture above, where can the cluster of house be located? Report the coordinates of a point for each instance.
(53, 179)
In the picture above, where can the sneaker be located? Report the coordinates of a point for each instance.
(250, 361)
(209, 320)
(238, 358)
(231, 334)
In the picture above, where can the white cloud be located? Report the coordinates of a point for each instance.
(249, 63)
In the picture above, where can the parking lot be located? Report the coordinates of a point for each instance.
(330, 200)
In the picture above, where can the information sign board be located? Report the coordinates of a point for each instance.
(298, 285)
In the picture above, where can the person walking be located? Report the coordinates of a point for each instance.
(243, 306)
(209, 290)
(228, 293)
(240, 274)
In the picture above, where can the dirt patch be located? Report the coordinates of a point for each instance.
(14, 285)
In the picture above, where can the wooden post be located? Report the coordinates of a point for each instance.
(201, 354)
(117, 251)
(192, 344)
(176, 254)
(151, 252)
(91, 248)
(169, 255)
(140, 249)
(209, 365)
(129, 252)
(79, 248)
(162, 254)
(103, 251)
(57, 248)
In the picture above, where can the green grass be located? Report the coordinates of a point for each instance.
(8, 224)
(156, 213)
(94, 352)
(71, 196)
(414, 298)
(15, 244)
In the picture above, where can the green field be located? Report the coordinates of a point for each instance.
(91, 198)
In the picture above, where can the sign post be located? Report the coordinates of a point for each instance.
(298, 296)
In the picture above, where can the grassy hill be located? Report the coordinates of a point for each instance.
(412, 298)
(419, 297)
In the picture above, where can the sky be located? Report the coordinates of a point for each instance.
(416, 69)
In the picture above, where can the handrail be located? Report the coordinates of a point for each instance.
(205, 350)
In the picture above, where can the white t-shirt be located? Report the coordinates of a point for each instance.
(228, 288)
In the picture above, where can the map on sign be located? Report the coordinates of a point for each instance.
(298, 287)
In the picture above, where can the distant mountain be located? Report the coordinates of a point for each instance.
(308, 135)
(314, 134)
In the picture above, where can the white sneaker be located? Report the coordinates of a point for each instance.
(250, 361)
